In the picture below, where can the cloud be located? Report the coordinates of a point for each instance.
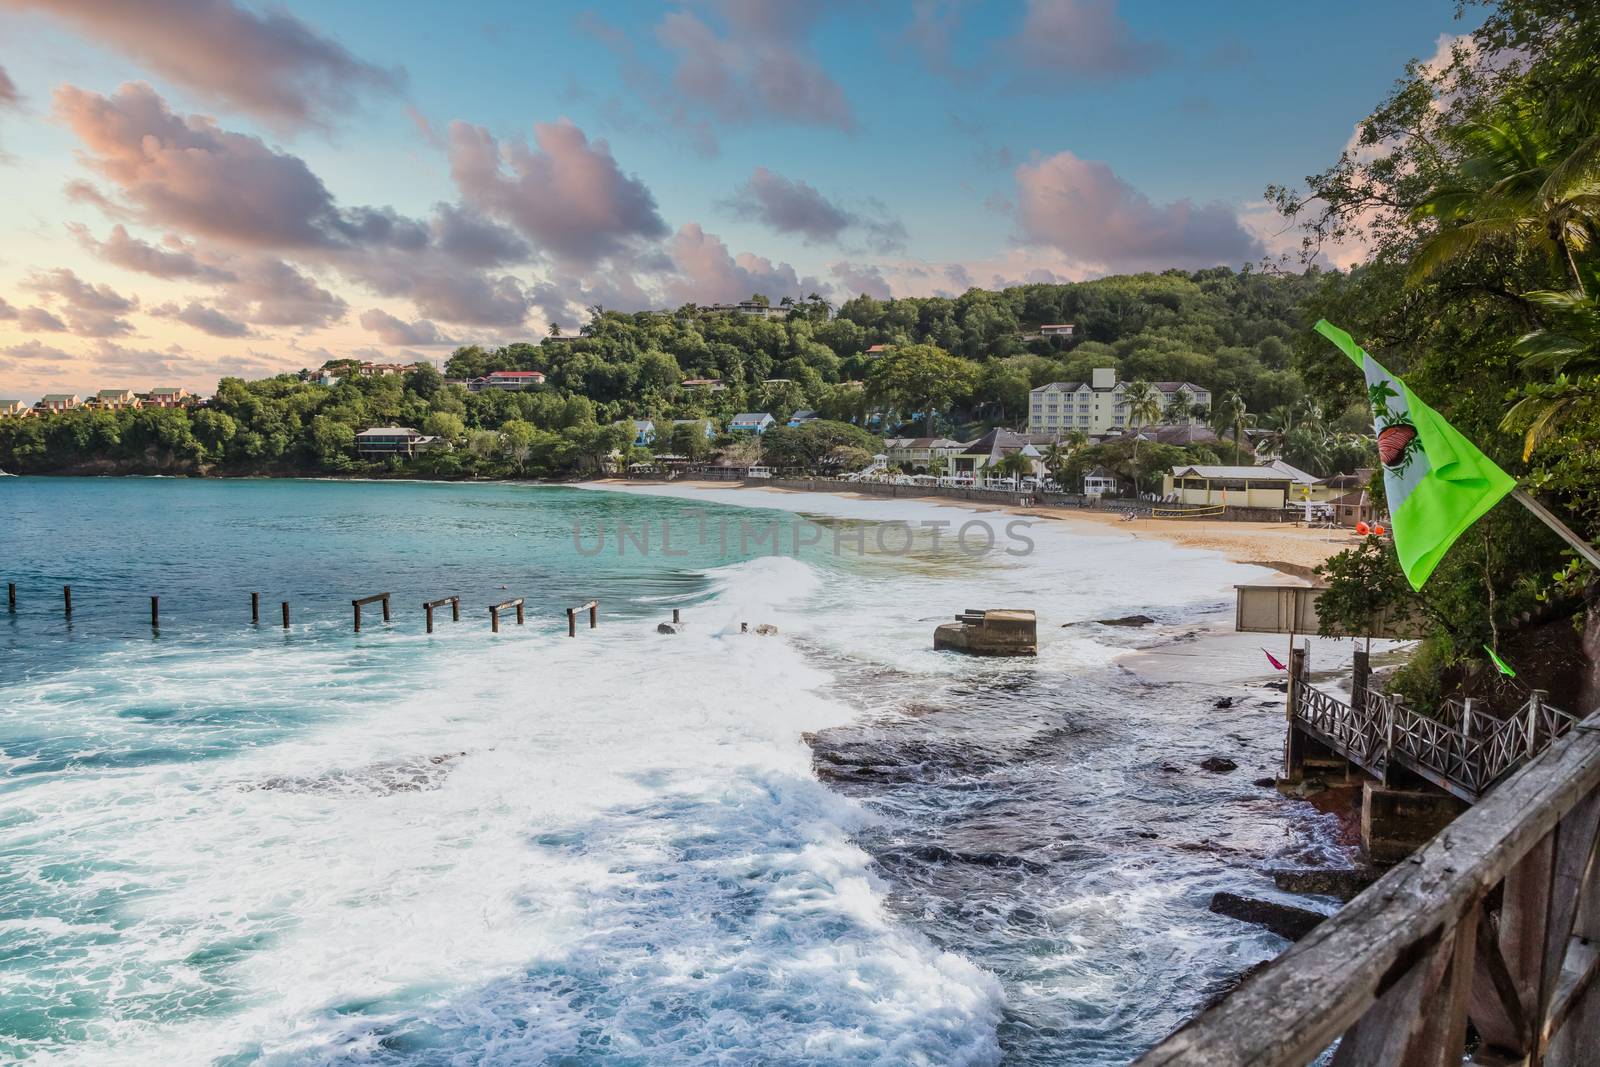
(9, 97)
(177, 260)
(1082, 208)
(205, 319)
(862, 278)
(567, 196)
(1078, 41)
(268, 64)
(705, 272)
(271, 292)
(7, 312)
(395, 331)
(92, 310)
(470, 238)
(790, 206)
(36, 351)
(38, 320)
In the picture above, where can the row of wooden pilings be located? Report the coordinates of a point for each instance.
(382, 599)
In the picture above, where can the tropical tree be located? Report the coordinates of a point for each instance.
(1144, 407)
(1014, 465)
(910, 377)
(1231, 413)
(1569, 348)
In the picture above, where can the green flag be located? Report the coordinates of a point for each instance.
(1501, 665)
(1437, 481)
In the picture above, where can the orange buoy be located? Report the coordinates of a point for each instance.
(1363, 529)
(1378, 530)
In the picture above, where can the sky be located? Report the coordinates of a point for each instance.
(198, 188)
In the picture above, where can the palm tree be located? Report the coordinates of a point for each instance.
(1014, 465)
(1230, 413)
(1569, 347)
(1144, 407)
(1517, 185)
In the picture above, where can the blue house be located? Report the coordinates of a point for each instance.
(801, 417)
(644, 433)
(756, 422)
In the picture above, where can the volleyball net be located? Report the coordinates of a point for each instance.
(1212, 512)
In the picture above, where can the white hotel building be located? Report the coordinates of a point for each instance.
(1096, 407)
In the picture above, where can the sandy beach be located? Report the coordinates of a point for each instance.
(1287, 548)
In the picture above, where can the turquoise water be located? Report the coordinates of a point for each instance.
(224, 844)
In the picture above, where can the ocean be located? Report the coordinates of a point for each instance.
(225, 843)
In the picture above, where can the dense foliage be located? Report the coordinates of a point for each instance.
(966, 362)
(1476, 186)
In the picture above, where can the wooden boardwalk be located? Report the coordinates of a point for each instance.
(1459, 750)
(1496, 921)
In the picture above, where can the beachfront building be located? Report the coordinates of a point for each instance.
(380, 441)
(1099, 481)
(756, 422)
(511, 381)
(114, 399)
(644, 432)
(1098, 409)
(1353, 507)
(977, 460)
(916, 454)
(168, 396)
(1271, 485)
(58, 402)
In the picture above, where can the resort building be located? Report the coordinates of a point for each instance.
(977, 460)
(1353, 507)
(167, 396)
(58, 402)
(14, 409)
(379, 370)
(644, 432)
(748, 307)
(1101, 482)
(801, 417)
(1098, 407)
(756, 422)
(1273, 485)
(392, 441)
(511, 381)
(114, 399)
(917, 453)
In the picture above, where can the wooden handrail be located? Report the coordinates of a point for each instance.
(455, 609)
(496, 609)
(357, 605)
(1394, 973)
(593, 607)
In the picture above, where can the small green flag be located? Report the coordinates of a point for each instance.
(1502, 665)
(1437, 481)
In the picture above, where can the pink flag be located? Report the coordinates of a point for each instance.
(1273, 660)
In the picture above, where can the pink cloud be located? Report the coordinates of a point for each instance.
(269, 64)
(705, 272)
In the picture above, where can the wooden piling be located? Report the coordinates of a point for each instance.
(1361, 666)
(675, 617)
(356, 604)
(496, 609)
(593, 608)
(66, 595)
(285, 614)
(594, 614)
(155, 613)
(255, 609)
(455, 609)
(11, 596)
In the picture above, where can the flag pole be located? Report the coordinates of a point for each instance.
(1548, 517)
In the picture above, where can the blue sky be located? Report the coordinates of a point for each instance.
(388, 179)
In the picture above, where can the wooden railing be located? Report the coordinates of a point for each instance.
(1496, 921)
(1458, 749)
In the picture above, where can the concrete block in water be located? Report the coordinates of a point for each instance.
(997, 632)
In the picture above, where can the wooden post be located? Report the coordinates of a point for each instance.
(455, 609)
(1361, 662)
(11, 596)
(428, 608)
(155, 613)
(255, 609)
(675, 615)
(357, 605)
(496, 609)
(494, 619)
(594, 613)
(572, 622)
(519, 611)
(744, 627)
(1532, 738)
(386, 607)
(285, 614)
(66, 595)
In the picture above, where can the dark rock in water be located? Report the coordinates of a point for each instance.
(991, 632)
(1127, 620)
(1342, 882)
(1218, 764)
(766, 629)
(1282, 919)
(1223, 702)
(669, 627)
(1264, 783)
(375, 779)
(1148, 835)
(1169, 768)
(1279, 684)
